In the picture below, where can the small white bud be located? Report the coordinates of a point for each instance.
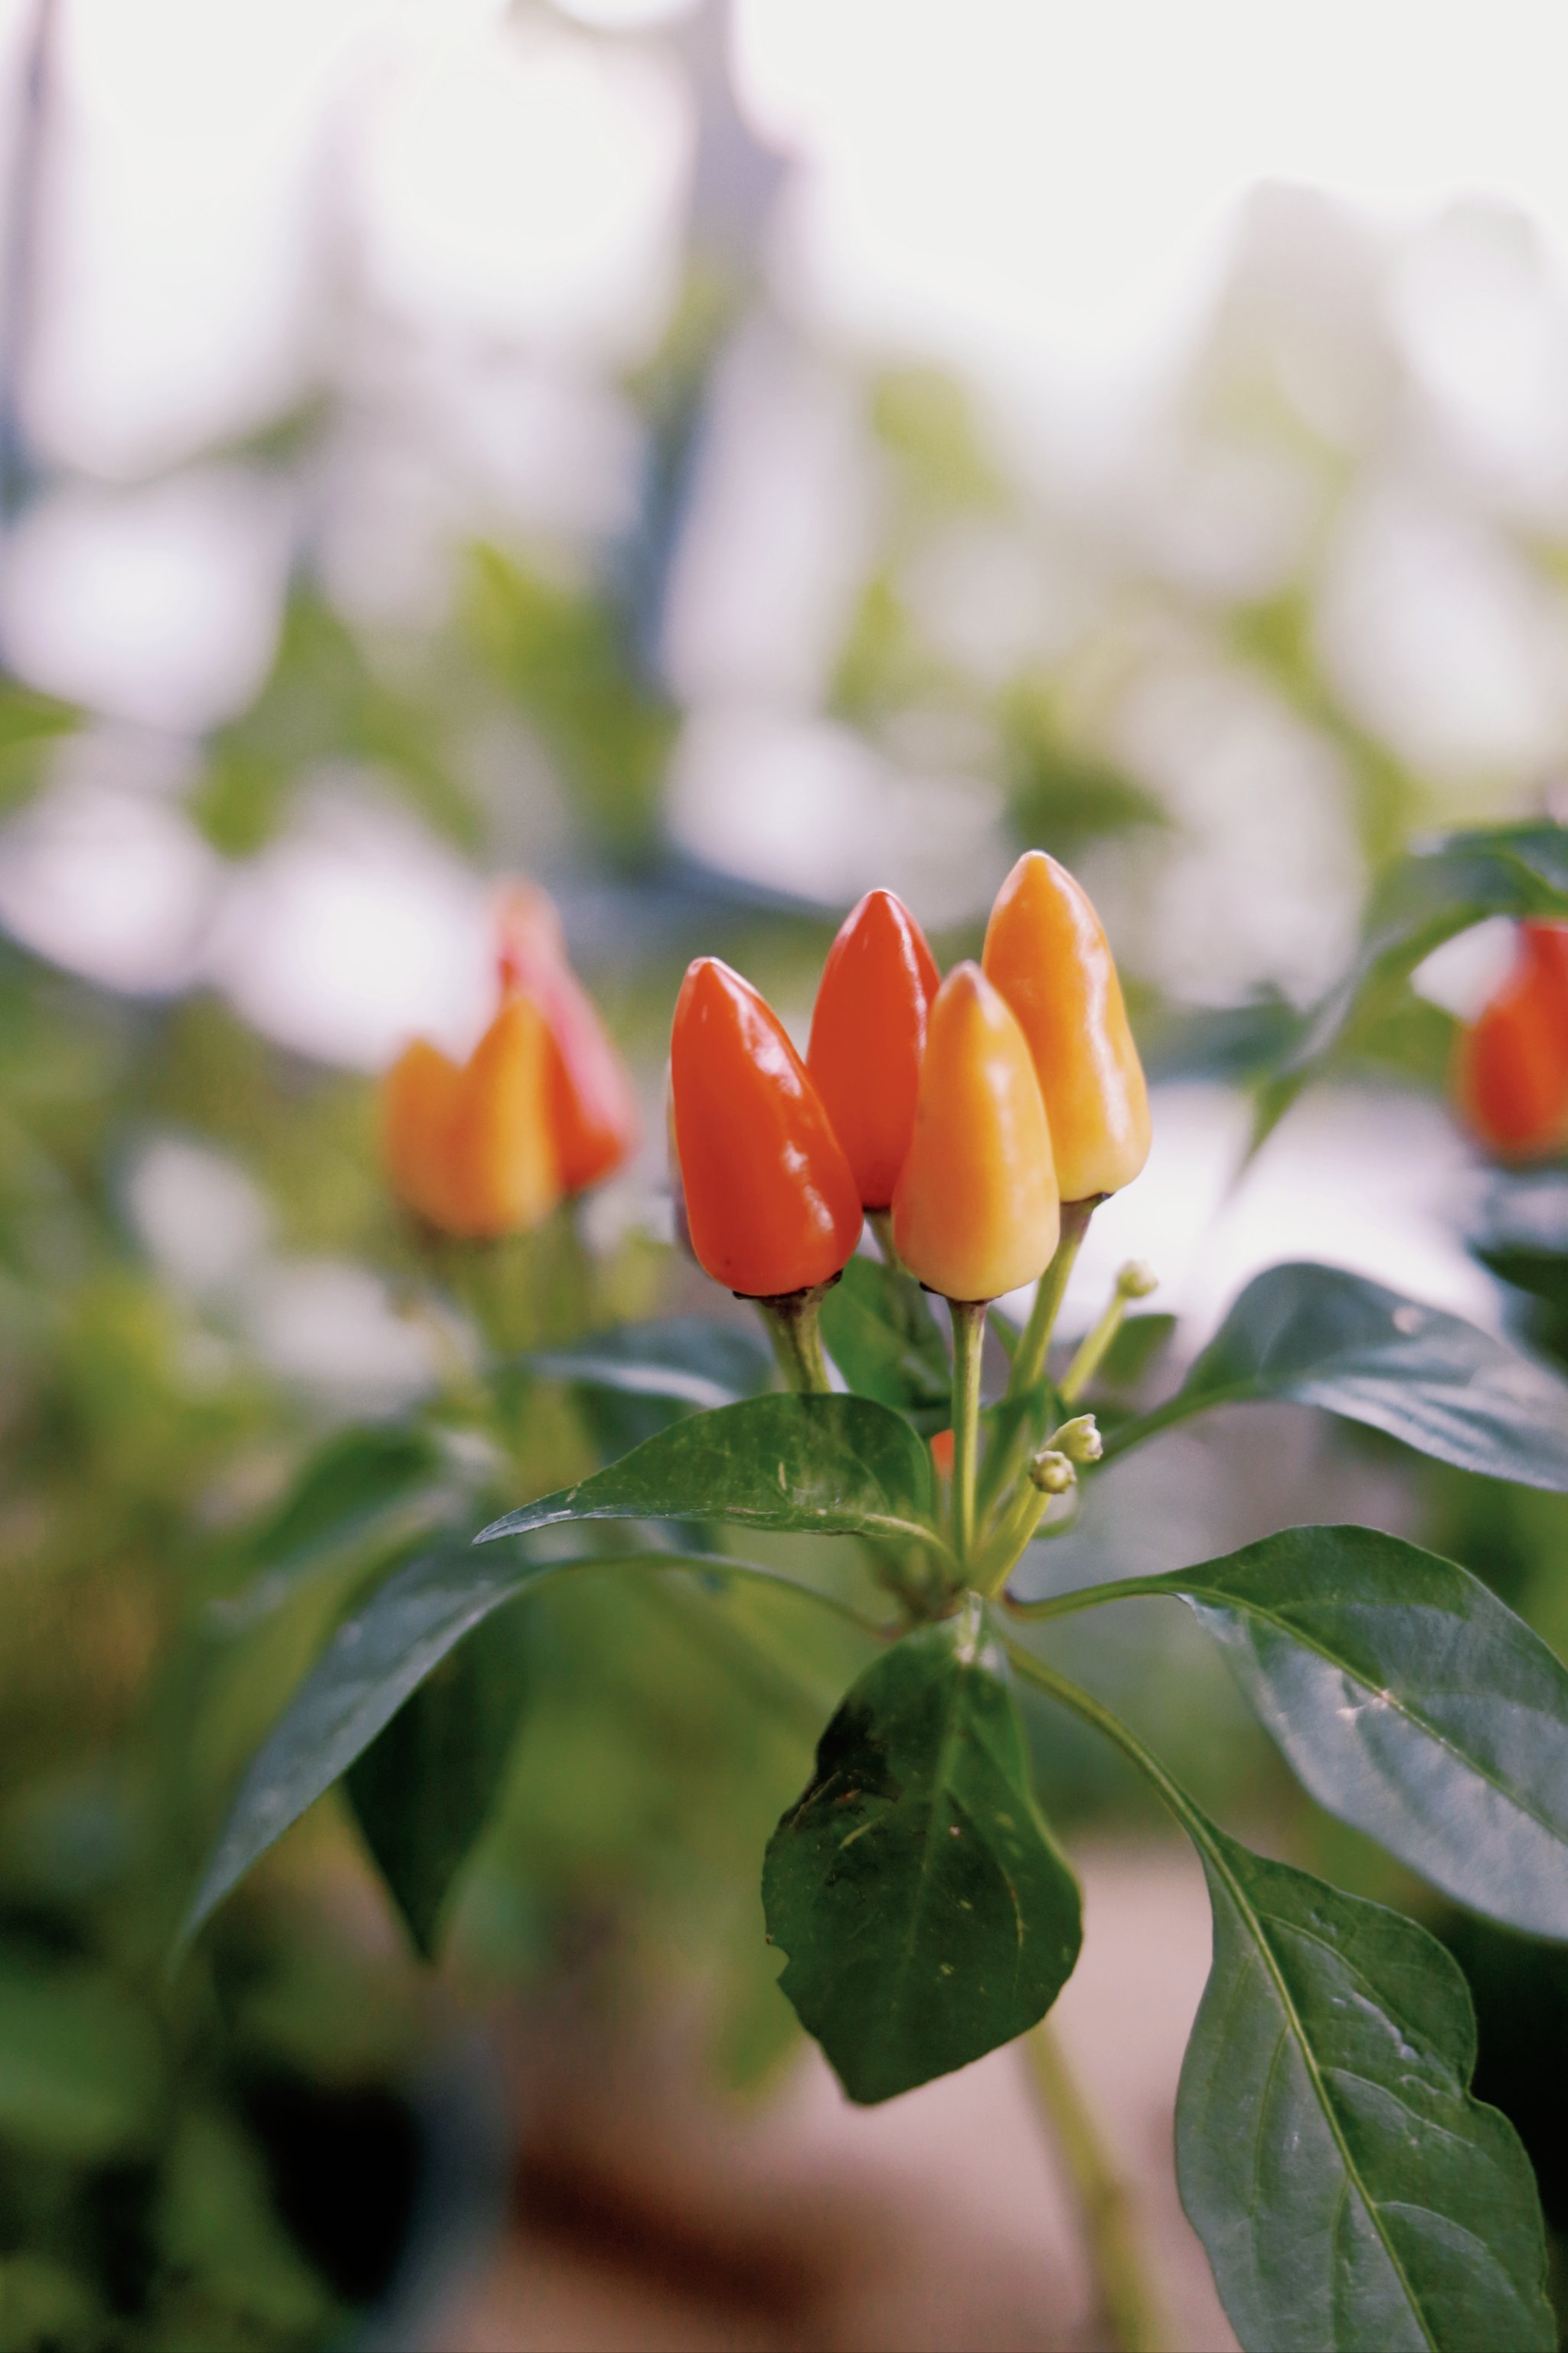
(1078, 1440)
(1136, 1280)
(1051, 1473)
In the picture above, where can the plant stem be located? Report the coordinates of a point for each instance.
(794, 1328)
(1133, 1281)
(1004, 1547)
(1029, 1362)
(968, 1343)
(881, 1224)
(1129, 2311)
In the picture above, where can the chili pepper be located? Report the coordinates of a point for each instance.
(771, 1202)
(976, 1210)
(471, 1147)
(867, 1032)
(1511, 1063)
(592, 1108)
(1046, 952)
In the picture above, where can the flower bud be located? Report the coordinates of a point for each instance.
(471, 1147)
(1047, 953)
(975, 1211)
(867, 1033)
(592, 1108)
(1136, 1280)
(771, 1201)
(1051, 1473)
(1511, 1073)
(1078, 1440)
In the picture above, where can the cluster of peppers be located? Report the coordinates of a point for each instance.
(977, 1120)
(542, 1110)
(1511, 1067)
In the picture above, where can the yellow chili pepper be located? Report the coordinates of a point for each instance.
(976, 1210)
(1046, 952)
(471, 1147)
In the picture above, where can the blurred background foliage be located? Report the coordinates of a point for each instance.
(643, 564)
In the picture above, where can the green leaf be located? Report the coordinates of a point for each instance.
(926, 1914)
(1427, 898)
(423, 1791)
(884, 1339)
(1348, 2191)
(375, 1658)
(832, 1465)
(80, 2075)
(378, 1485)
(1410, 1702)
(695, 1360)
(1325, 1337)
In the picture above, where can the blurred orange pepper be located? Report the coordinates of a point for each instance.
(867, 1032)
(470, 1146)
(1045, 950)
(1511, 1075)
(771, 1202)
(592, 1108)
(975, 1211)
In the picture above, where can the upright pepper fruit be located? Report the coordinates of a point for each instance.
(771, 1202)
(1047, 953)
(976, 1210)
(1511, 1072)
(867, 1033)
(471, 1147)
(593, 1110)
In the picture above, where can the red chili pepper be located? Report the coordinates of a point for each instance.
(771, 1201)
(868, 1034)
(1511, 1072)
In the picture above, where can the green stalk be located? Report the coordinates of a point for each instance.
(1133, 1281)
(881, 1224)
(1129, 2311)
(794, 1328)
(968, 1342)
(1029, 1362)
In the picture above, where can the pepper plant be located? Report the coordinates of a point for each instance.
(1348, 2187)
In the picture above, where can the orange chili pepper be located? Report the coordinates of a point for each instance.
(976, 1210)
(592, 1107)
(1511, 1073)
(771, 1201)
(471, 1147)
(867, 1033)
(1046, 952)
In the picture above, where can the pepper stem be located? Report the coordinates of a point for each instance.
(1132, 1282)
(795, 1332)
(968, 1342)
(881, 1224)
(1128, 2308)
(1029, 1362)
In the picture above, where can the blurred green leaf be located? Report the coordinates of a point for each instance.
(424, 1789)
(693, 1360)
(217, 2225)
(1348, 2191)
(1328, 1338)
(365, 1487)
(44, 2309)
(80, 2071)
(926, 1915)
(832, 1465)
(926, 421)
(29, 726)
(880, 1332)
(1062, 796)
(1409, 1701)
(322, 702)
(557, 652)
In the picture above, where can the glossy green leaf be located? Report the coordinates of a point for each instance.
(1410, 1702)
(880, 1332)
(1427, 898)
(423, 1791)
(694, 1360)
(1328, 1338)
(378, 1485)
(926, 1915)
(832, 1465)
(1351, 2195)
(375, 1659)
